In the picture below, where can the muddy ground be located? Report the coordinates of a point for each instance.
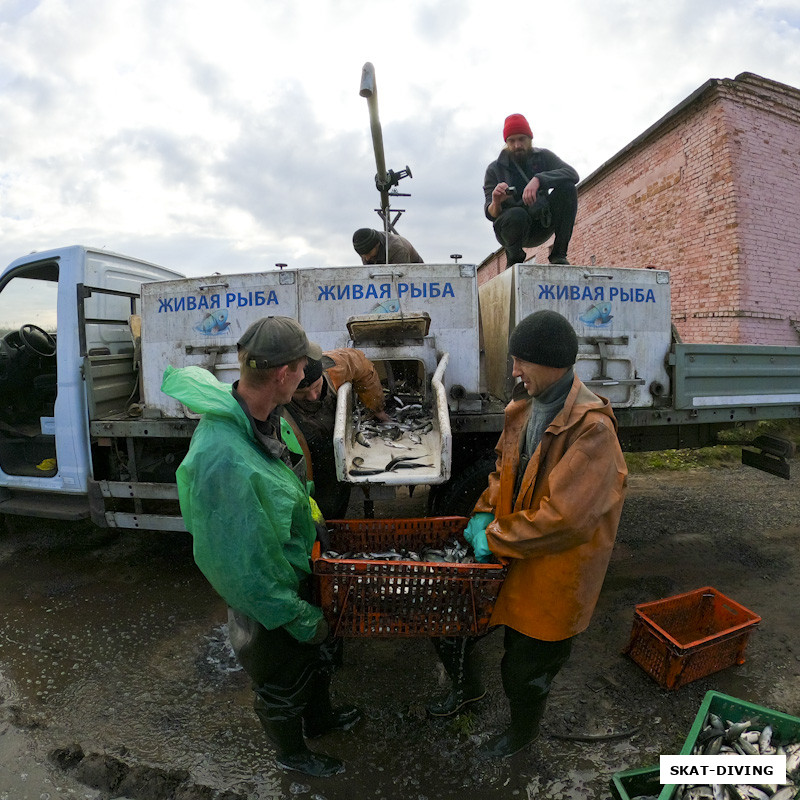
(116, 679)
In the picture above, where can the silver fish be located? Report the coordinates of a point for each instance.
(745, 748)
(736, 729)
(752, 792)
(396, 461)
(744, 737)
(699, 793)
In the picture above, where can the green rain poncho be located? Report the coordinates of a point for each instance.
(248, 513)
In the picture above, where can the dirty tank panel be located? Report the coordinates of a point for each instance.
(197, 321)
(622, 318)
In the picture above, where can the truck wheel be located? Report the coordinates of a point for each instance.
(458, 496)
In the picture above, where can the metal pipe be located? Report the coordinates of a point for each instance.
(369, 89)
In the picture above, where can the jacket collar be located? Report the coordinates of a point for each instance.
(580, 401)
(266, 434)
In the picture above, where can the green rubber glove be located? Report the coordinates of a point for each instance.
(475, 534)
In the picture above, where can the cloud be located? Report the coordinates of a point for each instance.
(233, 134)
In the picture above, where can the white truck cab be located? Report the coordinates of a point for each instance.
(57, 308)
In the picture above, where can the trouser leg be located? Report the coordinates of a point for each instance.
(280, 710)
(285, 674)
(458, 657)
(457, 654)
(289, 678)
(511, 228)
(527, 670)
(530, 226)
(564, 208)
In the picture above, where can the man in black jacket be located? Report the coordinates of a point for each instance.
(371, 246)
(530, 195)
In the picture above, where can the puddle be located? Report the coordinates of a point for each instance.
(112, 642)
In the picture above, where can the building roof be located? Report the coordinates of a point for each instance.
(748, 81)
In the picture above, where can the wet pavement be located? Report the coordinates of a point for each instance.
(116, 678)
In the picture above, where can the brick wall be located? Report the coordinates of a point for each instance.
(711, 193)
(765, 137)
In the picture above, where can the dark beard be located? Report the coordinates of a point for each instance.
(520, 156)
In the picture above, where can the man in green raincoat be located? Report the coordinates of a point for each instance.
(244, 499)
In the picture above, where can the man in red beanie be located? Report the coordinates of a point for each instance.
(530, 195)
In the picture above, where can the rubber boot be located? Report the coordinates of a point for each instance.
(320, 717)
(284, 727)
(456, 654)
(523, 730)
(515, 255)
(527, 669)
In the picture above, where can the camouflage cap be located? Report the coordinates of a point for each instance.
(274, 341)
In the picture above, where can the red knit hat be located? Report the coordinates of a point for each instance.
(516, 123)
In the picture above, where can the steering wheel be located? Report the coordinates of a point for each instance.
(38, 340)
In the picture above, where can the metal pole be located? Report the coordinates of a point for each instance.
(369, 89)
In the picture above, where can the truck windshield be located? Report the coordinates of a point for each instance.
(26, 301)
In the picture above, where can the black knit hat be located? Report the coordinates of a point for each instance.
(546, 338)
(313, 370)
(364, 239)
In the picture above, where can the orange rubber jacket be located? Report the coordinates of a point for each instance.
(558, 536)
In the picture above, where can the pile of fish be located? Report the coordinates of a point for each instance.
(451, 552)
(409, 422)
(745, 737)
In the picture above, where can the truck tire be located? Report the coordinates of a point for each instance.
(458, 496)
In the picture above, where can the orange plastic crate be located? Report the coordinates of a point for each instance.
(366, 597)
(682, 638)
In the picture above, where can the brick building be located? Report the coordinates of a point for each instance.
(711, 192)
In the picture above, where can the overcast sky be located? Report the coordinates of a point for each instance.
(229, 136)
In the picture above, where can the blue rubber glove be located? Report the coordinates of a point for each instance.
(475, 534)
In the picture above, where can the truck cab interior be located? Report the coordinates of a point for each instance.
(28, 371)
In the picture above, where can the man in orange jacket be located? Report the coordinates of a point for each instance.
(313, 411)
(550, 512)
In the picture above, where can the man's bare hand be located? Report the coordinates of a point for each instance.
(499, 193)
(529, 192)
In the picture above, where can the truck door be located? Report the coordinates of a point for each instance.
(28, 371)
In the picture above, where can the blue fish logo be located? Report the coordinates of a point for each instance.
(598, 315)
(388, 307)
(213, 323)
